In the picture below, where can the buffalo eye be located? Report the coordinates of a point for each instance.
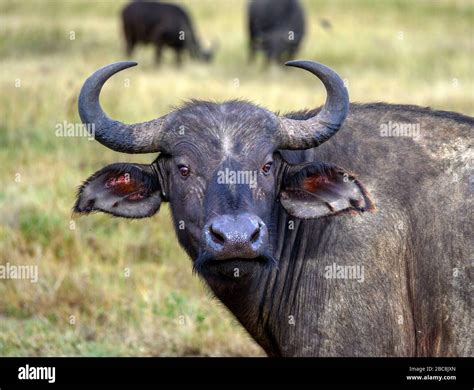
(266, 168)
(183, 170)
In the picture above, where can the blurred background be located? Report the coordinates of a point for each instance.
(108, 286)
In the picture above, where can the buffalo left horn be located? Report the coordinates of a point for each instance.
(309, 133)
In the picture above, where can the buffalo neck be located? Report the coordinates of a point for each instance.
(267, 298)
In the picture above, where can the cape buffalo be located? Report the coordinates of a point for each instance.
(162, 25)
(359, 246)
(276, 27)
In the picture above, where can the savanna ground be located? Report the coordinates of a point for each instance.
(119, 287)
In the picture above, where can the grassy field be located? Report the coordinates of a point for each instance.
(118, 287)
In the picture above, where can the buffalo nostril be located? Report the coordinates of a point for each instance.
(217, 236)
(256, 234)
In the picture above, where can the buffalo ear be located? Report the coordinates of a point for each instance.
(123, 190)
(317, 190)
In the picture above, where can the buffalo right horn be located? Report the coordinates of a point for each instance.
(143, 137)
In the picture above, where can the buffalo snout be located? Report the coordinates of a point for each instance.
(235, 236)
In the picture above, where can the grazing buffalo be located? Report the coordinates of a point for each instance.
(343, 230)
(276, 27)
(162, 25)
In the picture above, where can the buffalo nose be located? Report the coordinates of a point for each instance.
(224, 231)
(241, 236)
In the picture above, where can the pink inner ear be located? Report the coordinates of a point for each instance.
(312, 183)
(122, 179)
(124, 185)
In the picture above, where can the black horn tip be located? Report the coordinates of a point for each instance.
(116, 67)
(102, 74)
(297, 63)
(127, 64)
(311, 66)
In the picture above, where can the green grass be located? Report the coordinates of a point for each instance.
(162, 308)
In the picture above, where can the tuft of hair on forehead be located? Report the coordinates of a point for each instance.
(232, 115)
(235, 127)
(238, 104)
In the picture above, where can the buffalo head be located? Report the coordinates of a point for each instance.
(220, 168)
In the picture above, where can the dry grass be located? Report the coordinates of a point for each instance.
(396, 51)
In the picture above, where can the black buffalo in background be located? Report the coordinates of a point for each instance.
(276, 27)
(162, 25)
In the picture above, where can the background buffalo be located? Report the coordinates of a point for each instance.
(161, 25)
(276, 28)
